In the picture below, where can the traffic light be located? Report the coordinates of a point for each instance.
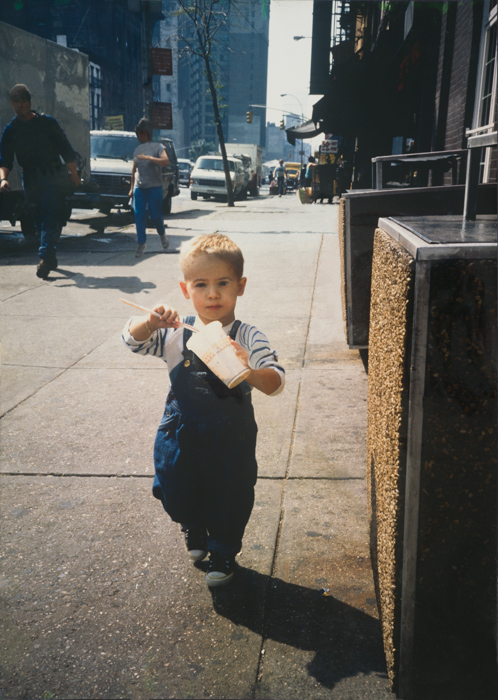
(282, 125)
(249, 116)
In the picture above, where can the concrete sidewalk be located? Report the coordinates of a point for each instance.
(98, 597)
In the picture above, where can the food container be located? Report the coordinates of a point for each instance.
(213, 346)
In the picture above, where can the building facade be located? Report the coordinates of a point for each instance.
(110, 32)
(410, 76)
(239, 60)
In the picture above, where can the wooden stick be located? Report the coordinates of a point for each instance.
(149, 311)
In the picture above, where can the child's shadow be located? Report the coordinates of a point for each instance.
(346, 641)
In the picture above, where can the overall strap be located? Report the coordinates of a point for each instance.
(234, 329)
(187, 332)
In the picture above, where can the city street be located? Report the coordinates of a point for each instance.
(99, 599)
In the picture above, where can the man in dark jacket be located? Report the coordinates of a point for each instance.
(39, 143)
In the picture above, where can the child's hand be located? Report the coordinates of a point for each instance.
(242, 354)
(169, 318)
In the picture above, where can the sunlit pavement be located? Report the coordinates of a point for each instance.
(100, 599)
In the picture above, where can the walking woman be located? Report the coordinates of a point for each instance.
(147, 185)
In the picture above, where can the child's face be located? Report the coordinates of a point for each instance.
(213, 287)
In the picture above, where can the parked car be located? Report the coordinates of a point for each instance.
(111, 155)
(184, 170)
(208, 178)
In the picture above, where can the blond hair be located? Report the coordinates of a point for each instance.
(215, 244)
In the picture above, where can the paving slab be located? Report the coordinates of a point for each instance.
(20, 382)
(112, 607)
(331, 425)
(326, 340)
(103, 421)
(86, 421)
(322, 633)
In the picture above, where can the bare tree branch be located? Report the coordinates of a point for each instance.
(206, 18)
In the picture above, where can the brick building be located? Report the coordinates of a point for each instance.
(410, 75)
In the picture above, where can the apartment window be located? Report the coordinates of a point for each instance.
(486, 91)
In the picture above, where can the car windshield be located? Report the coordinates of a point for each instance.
(107, 146)
(184, 166)
(211, 164)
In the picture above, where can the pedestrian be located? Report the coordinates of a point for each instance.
(39, 143)
(147, 185)
(308, 177)
(279, 175)
(204, 453)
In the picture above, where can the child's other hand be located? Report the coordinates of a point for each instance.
(169, 317)
(242, 354)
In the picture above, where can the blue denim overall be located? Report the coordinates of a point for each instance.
(204, 453)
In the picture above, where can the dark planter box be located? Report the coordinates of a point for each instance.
(432, 459)
(361, 210)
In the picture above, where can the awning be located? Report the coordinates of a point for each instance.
(306, 130)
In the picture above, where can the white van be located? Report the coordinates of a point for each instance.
(208, 178)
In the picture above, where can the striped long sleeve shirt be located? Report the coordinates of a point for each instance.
(167, 345)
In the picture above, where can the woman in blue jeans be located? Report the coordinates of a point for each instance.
(147, 185)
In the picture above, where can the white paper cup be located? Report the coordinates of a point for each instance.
(213, 346)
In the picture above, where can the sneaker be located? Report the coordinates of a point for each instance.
(140, 250)
(220, 570)
(196, 541)
(44, 267)
(164, 241)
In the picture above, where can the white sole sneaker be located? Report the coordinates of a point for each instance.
(218, 578)
(220, 571)
(197, 554)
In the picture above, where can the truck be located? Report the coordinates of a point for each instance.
(57, 78)
(252, 156)
(292, 174)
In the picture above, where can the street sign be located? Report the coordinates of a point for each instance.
(330, 146)
(114, 123)
(162, 61)
(161, 115)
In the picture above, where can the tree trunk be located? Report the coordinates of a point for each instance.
(221, 138)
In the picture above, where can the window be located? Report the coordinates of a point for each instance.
(486, 88)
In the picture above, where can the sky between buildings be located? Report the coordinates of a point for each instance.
(289, 60)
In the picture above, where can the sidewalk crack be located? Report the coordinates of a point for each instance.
(286, 478)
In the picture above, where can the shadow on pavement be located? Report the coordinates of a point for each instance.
(125, 284)
(346, 641)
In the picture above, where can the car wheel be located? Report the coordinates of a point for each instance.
(167, 205)
(193, 195)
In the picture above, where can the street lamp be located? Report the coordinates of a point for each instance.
(288, 94)
(298, 38)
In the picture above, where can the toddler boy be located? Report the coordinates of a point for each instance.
(204, 453)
